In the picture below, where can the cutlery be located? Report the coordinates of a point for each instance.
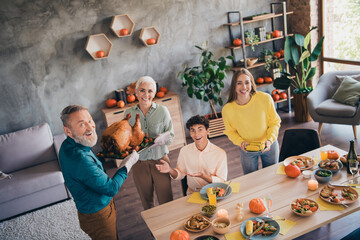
(227, 188)
(207, 220)
(258, 229)
(339, 185)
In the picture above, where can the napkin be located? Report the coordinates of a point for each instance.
(316, 161)
(196, 198)
(325, 206)
(280, 170)
(285, 225)
(234, 236)
(235, 186)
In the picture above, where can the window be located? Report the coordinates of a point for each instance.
(342, 36)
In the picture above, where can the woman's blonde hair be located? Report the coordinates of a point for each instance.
(232, 94)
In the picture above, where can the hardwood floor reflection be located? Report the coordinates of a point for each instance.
(130, 225)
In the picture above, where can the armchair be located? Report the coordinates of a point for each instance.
(324, 109)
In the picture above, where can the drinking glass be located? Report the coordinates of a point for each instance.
(323, 155)
(268, 203)
(353, 167)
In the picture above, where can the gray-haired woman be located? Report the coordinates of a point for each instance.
(156, 123)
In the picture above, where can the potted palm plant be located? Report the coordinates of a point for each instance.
(206, 81)
(299, 56)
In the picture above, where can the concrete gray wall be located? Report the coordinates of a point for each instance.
(44, 66)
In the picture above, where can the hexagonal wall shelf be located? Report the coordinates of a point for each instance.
(149, 36)
(97, 43)
(122, 25)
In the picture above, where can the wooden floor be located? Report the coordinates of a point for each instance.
(130, 225)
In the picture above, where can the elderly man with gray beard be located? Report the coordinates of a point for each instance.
(92, 189)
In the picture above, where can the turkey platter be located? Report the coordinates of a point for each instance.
(120, 138)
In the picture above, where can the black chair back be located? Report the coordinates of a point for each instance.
(298, 141)
(184, 185)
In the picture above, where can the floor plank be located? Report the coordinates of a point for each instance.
(130, 225)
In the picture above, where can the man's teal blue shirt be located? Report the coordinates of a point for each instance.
(91, 188)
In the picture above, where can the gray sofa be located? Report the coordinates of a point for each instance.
(31, 157)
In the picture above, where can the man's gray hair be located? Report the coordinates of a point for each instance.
(65, 113)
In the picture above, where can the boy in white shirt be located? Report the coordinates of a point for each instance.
(202, 161)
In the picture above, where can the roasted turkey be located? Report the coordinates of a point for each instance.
(137, 134)
(120, 136)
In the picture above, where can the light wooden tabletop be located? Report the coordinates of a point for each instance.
(164, 219)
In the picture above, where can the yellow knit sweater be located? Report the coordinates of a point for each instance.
(255, 122)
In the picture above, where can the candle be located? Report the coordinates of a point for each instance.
(313, 185)
(222, 213)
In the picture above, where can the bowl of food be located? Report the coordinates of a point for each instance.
(206, 237)
(208, 210)
(304, 207)
(197, 223)
(330, 164)
(221, 225)
(323, 175)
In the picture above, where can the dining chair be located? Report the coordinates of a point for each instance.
(184, 185)
(298, 141)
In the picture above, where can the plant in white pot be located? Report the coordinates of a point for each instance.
(206, 81)
(299, 57)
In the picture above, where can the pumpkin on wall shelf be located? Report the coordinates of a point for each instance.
(257, 205)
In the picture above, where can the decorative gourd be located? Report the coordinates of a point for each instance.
(179, 235)
(292, 170)
(257, 205)
(332, 154)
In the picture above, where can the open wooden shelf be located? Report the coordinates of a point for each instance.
(98, 42)
(258, 64)
(122, 22)
(283, 100)
(148, 33)
(261, 42)
(256, 20)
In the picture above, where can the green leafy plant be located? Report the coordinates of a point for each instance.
(206, 81)
(299, 57)
(252, 39)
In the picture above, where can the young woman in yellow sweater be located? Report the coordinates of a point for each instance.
(251, 122)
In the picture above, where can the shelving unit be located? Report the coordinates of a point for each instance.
(240, 23)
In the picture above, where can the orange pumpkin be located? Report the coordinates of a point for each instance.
(110, 103)
(130, 98)
(332, 154)
(256, 205)
(163, 89)
(260, 80)
(160, 94)
(268, 79)
(179, 235)
(292, 170)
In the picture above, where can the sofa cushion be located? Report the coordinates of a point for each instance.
(26, 148)
(348, 92)
(30, 180)
(333, 108)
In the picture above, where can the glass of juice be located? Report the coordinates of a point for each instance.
(323, 155)
(211, 196)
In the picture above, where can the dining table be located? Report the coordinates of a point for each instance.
(162, 220)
